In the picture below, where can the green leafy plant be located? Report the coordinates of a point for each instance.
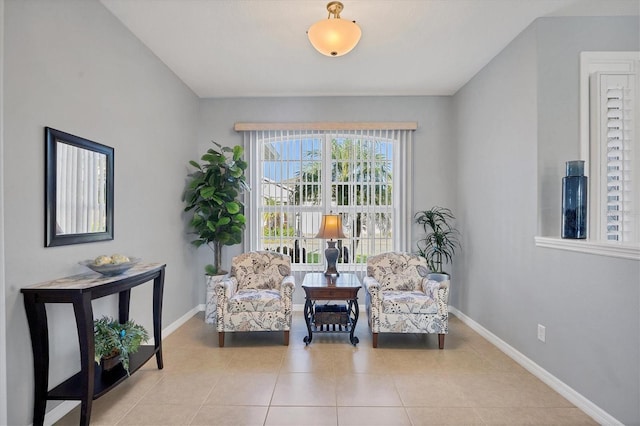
(114, 339)
(213, 197)
(441, 239)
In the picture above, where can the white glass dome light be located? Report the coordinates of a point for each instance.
(334, 37)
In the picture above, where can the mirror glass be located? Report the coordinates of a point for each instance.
(79, 190)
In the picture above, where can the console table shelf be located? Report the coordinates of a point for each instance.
(70, 389)
(90, 383)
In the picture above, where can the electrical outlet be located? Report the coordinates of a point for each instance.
(541, 332)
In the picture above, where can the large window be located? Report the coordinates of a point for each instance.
(612, 146)
(299, 175)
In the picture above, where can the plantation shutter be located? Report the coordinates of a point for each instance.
(616, 119)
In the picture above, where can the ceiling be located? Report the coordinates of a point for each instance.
(253, 48)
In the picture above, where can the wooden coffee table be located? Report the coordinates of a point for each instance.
(331, 318)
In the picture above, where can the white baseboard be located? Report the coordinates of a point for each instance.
(177, 323)
(591, 409)
(61, 410)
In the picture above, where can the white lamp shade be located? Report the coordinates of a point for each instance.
(331, 227)
(334, 37)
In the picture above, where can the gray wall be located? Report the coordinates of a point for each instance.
(71, 65)
(517, 123)
(433, 149)
(3, 336)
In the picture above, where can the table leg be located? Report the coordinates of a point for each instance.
(38, 328)
(308, 309)
(84, 322)
(158, 289)
(124, 298)
(353, 307)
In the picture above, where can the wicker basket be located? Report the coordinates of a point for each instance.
(330, 314)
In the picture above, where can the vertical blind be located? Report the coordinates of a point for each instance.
(81, 198)
(299, 174)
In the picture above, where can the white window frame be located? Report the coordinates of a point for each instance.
(591, 63)
(401, 205)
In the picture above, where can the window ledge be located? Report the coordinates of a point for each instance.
(627, 251)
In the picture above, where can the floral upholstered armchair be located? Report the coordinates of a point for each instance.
(400, 298)
(256, 296)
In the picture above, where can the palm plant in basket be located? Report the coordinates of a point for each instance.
(441, 239)
(115, 340)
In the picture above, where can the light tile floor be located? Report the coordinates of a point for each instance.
(255, 380)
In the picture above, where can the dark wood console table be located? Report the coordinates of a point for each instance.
(90, 383)
(344, 287)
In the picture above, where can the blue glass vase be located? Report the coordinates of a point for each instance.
(574, 201)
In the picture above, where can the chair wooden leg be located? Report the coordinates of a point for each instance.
(286, 337)
(441, 341)
(375, 340)
(221, 339)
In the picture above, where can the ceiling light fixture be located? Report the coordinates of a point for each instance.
(334, 37)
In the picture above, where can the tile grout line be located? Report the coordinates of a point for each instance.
(273, 391)
(202, 404)
(138, 401)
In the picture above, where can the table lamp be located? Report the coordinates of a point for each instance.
(330, 228)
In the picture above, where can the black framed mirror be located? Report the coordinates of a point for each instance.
(78, 190)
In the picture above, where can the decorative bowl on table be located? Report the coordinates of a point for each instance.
(101, 265)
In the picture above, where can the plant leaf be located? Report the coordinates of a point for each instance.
(237, 152)
(207, 192)
(232, 207)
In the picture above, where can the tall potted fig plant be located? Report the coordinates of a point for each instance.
(440, 240)
(212, 195)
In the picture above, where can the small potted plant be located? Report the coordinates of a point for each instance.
(114, 342)
(213, 197)
(441, 239)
